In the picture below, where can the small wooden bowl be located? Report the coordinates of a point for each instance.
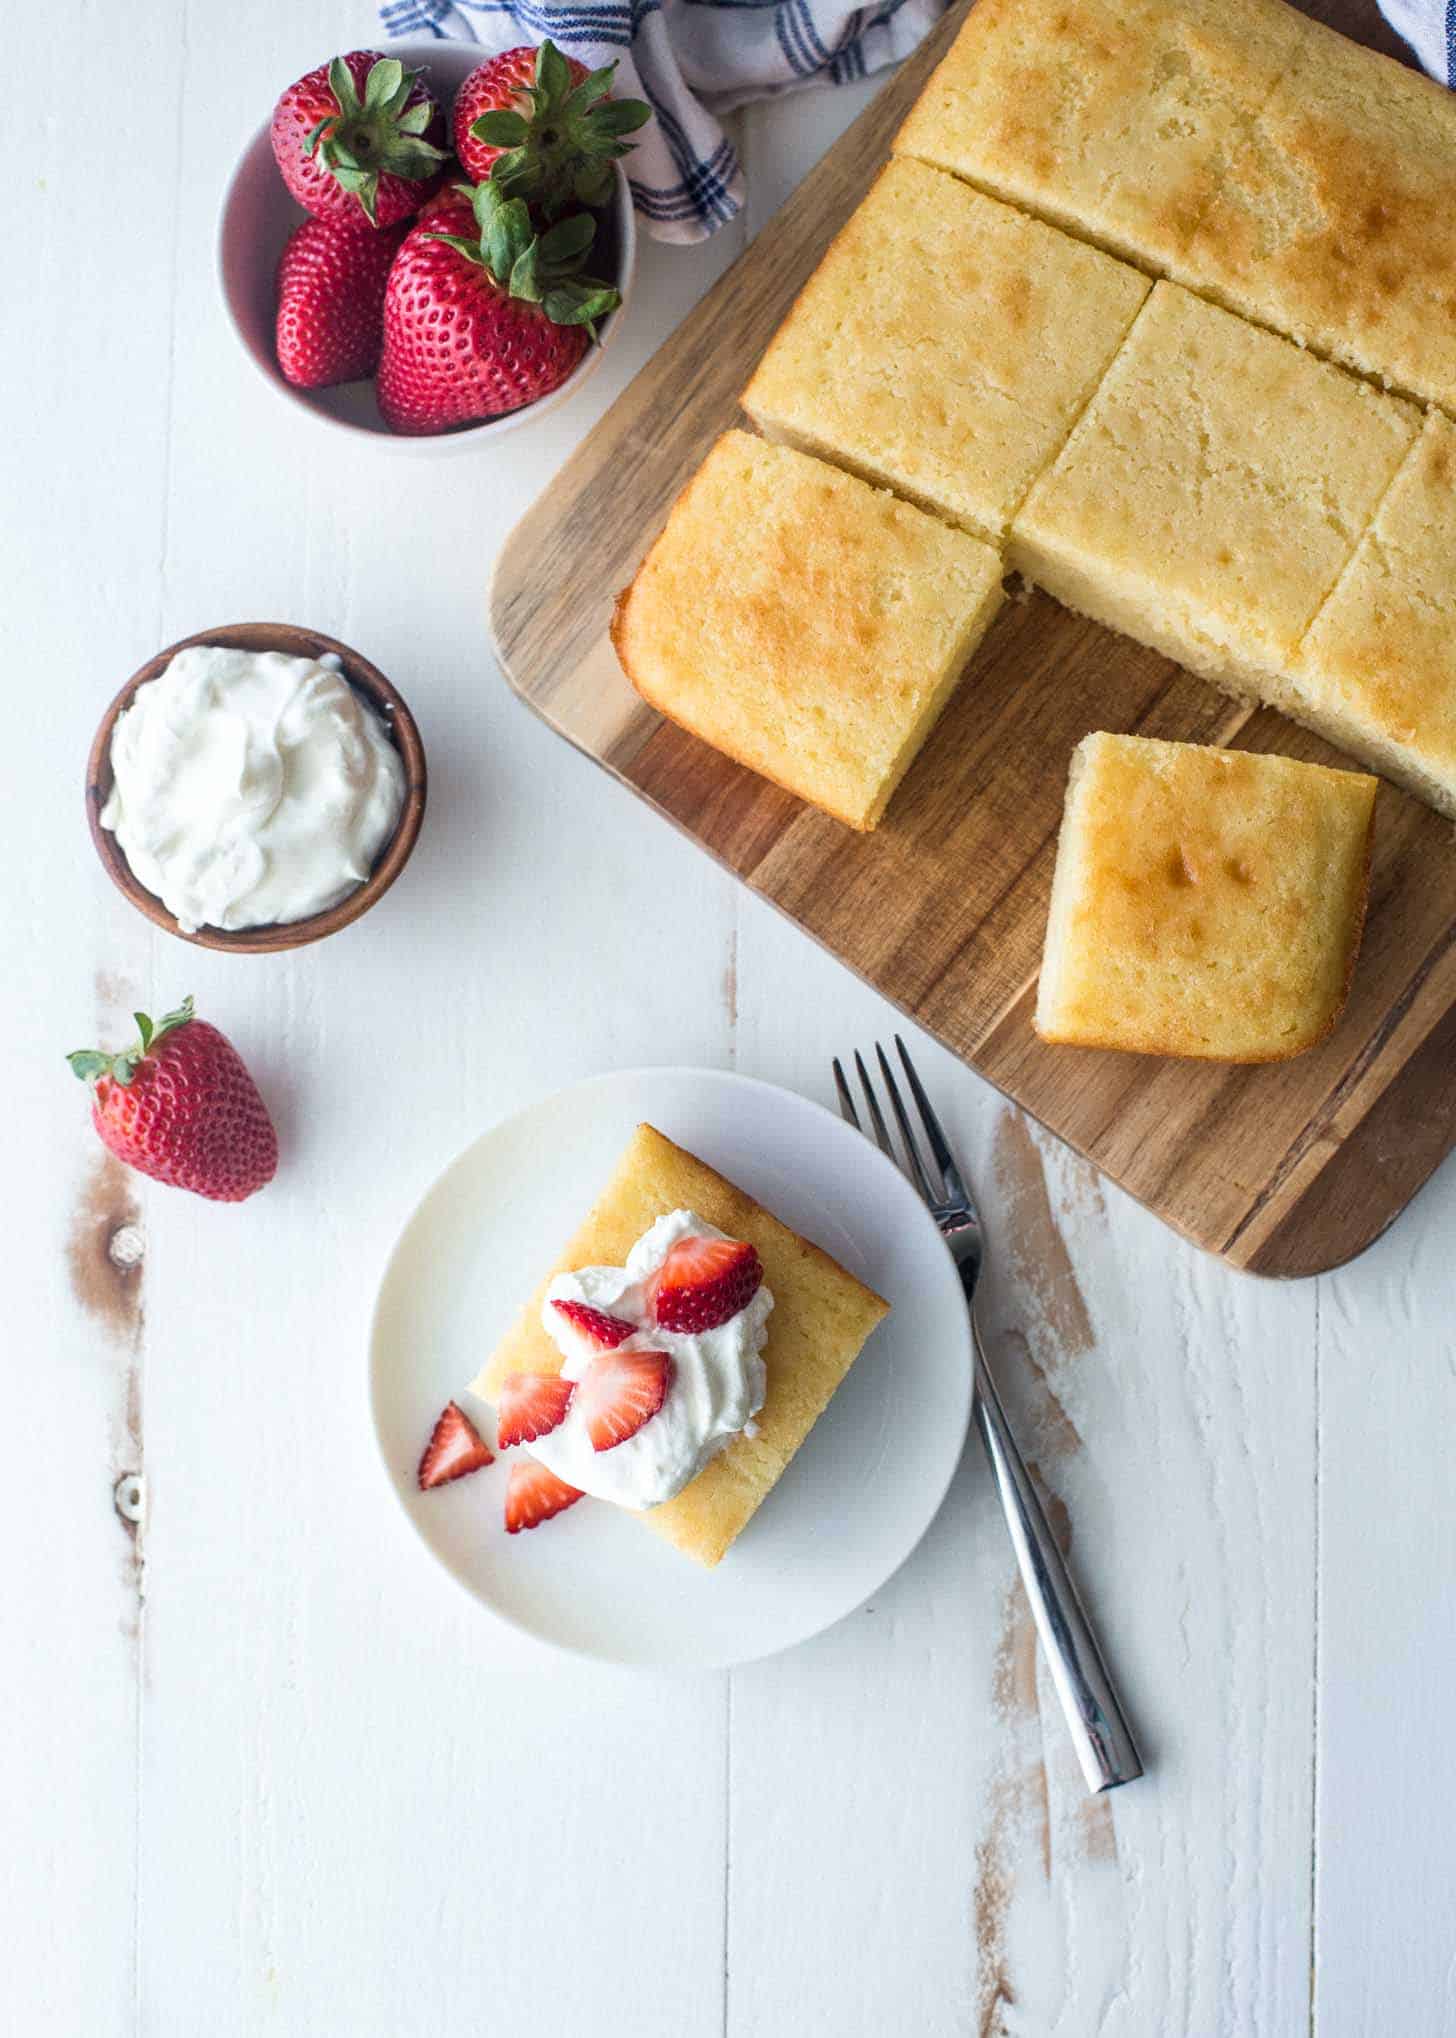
(367, 681)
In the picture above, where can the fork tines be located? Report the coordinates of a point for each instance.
(950, 1188)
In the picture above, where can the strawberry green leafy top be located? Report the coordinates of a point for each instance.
(380, 134)
(543, 269)
(91, 1063)
(562, 151)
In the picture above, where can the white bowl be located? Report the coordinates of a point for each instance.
(257, 217)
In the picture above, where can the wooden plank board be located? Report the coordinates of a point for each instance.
(1289, 1169)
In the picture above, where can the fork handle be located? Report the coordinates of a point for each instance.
(1099, 1728)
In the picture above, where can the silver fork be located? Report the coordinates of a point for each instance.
(1099, 1728)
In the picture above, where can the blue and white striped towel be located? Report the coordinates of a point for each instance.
(696, 59)
(692, 60)
(1429, 26)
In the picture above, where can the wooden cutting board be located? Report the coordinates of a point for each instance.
(1288, 1169)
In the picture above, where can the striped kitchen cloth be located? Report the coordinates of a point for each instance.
(692, 60)
(1429, 26)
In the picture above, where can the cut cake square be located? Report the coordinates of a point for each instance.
(945, 346)
(1112, 117)
(1335, 219)
(1376, 672)
(805, 623)
(1213, 490)
(1206, 903)
(821, 1319)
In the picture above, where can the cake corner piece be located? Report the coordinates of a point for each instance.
(805, 623)
(1105, 116)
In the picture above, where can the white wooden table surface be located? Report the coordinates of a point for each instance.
(265, 1770)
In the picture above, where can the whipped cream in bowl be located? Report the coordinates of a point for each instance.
(256, 787)
(715, 1389)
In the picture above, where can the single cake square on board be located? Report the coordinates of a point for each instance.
(1205, 902)
(804, 623)
(821, 1319)
(945, 346)
(1215, 487)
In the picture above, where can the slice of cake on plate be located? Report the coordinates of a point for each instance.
(1205, 903)
(806, 624)
(678, 1354)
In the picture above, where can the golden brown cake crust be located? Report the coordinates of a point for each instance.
(821, 1318)
(1236, 146)
(1206, 903)
(1335, 218)
(1109, 116)
(804, 623)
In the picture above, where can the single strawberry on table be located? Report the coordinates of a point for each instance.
(359, 140)
(331, 281)
(543, 127)
(179, 1105)
(482, 315)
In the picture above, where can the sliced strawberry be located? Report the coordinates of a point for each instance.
(455, 1448)
(534, 1494)
(530, 1406)
(620, 1392)
(605, 1331)
(703, 1282)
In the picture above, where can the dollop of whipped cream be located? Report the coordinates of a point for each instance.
(717, 1387)
(251, 788)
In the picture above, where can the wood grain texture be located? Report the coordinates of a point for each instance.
(1289, 1169)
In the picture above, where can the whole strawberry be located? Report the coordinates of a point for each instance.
(482, 315)
(331, 282)
(359, 140)
(543, 127)
(179, 1106)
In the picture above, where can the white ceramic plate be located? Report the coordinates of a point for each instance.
(854, 1502)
